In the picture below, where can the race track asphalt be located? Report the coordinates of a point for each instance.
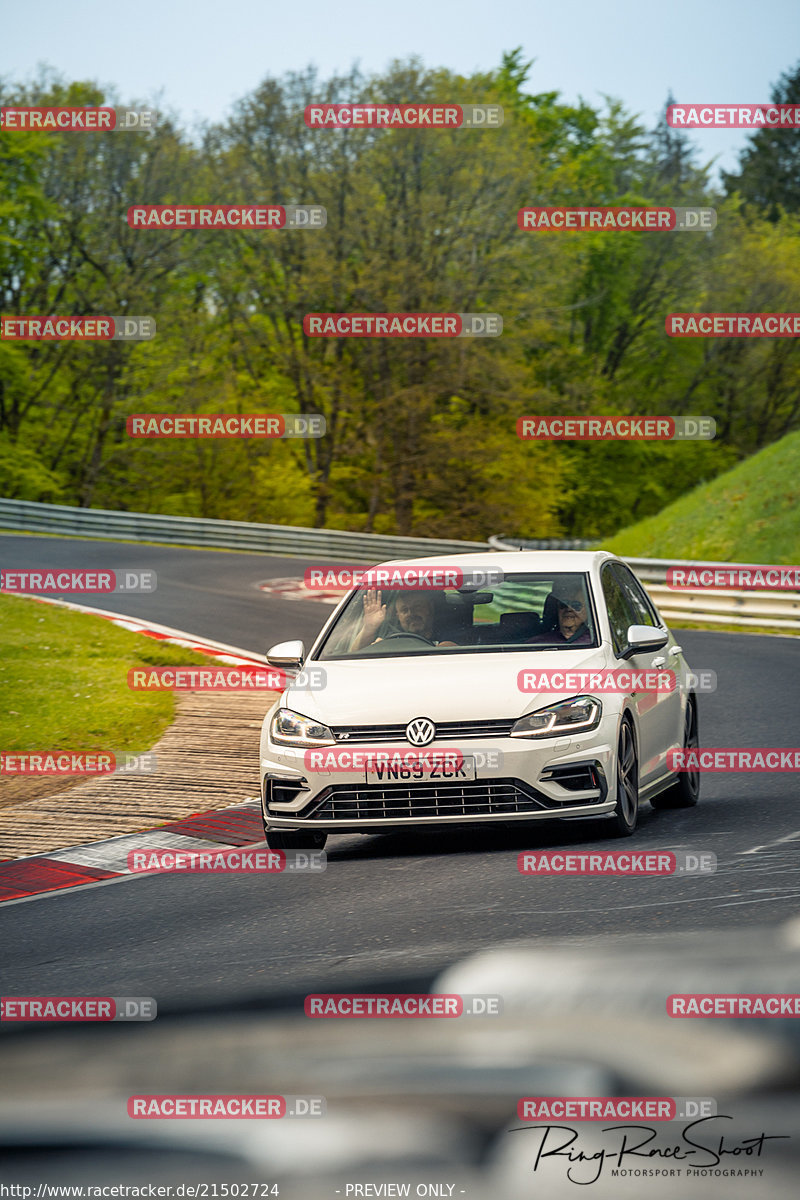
(401, 905)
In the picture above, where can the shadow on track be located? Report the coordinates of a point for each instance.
(589, 834)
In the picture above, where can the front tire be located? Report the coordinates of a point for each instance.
(685, 792)
(295, 839)
(626, 810)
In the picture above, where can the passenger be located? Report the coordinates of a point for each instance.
(573, 613)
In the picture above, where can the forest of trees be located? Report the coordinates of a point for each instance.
(421, 433)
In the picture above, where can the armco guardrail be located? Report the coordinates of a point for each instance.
(336, 545)
(776, 609)
(780, 610)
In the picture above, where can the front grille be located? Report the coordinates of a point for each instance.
(481, 798)
(376, 734)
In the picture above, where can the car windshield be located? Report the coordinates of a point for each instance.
(526, 611)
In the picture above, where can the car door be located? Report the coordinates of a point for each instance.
(621, 616)
(663, 708)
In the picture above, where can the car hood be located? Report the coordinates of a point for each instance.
(453, 687)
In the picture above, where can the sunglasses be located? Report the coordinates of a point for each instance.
(575, 605)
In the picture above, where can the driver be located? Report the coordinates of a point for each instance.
(413, 612)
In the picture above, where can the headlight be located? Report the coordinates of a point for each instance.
(569, 716)
(289, 728)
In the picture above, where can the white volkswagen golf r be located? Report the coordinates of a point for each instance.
(492, 689)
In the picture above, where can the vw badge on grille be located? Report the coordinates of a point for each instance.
(420, 731)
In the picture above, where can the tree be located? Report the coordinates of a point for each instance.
(768, 178)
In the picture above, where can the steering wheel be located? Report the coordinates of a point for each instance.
(418, 636)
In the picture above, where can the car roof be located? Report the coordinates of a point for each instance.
(511, 561)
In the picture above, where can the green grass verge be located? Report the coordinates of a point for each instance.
(747, 514)
(63, 681)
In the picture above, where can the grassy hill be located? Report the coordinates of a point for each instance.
(748, 514)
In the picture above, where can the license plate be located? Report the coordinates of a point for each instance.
(446, 771)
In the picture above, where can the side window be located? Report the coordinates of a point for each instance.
(619, 614)
(638, 601)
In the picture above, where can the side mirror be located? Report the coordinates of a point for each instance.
(642, 638)
(286, 654)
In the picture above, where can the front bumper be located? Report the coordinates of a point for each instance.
(555, 779)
